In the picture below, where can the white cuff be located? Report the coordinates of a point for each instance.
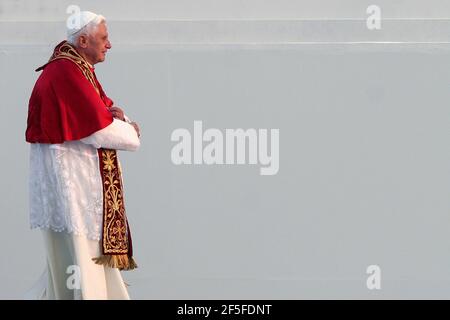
(119, 135)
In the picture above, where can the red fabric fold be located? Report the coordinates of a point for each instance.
(65, 106)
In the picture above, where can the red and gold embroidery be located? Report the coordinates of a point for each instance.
(116, 239)
(65, 51)
(114, 229)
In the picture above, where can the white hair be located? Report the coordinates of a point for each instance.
(88, 29)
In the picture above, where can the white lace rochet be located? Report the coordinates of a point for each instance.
(65, 186)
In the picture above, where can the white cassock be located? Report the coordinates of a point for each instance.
(66, 202)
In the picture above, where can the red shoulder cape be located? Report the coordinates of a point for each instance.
(65, 106)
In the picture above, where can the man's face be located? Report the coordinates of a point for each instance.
(97, 45)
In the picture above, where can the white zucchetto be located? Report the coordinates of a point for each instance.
(79, 20)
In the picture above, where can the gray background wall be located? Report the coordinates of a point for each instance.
(364, 158)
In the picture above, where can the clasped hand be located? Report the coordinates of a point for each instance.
(118, 114)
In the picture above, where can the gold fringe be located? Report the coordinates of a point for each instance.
(120, 261)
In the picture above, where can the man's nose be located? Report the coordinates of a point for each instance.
(108, 45)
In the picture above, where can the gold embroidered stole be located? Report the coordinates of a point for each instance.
(116, 237)
(116, 242)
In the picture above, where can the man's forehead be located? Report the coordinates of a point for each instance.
(102, 28)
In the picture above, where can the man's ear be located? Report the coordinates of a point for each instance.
(83, 41)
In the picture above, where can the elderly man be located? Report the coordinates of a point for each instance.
(76, 189)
